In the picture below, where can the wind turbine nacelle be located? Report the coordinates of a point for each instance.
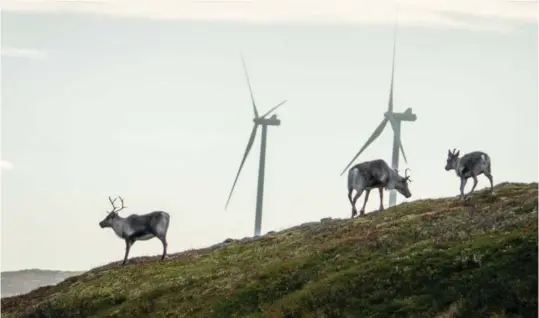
(406, 116)
(272, 121)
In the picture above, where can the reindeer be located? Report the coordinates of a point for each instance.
(137, 227)
(470, 165)
(373, 174)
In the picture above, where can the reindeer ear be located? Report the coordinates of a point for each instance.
(457, 153)
(449, 152)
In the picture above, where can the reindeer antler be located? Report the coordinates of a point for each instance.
(115, 208)
(406, 176)
(122, 200)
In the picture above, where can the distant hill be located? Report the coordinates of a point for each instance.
(427, 258)
(23, 281)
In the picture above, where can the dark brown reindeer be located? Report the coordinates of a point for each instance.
(137, 227)
(375, 174)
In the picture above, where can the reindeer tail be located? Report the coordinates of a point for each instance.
(352, 176)
(488, 163)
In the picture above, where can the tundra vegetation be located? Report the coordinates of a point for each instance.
(427, 258)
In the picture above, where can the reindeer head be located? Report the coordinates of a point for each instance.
(401, 185)
(107, 222)
(452, 159)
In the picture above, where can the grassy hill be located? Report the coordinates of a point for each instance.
(428, 258)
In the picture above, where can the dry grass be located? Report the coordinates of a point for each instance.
(429, 258)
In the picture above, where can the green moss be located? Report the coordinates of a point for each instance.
(429, 258)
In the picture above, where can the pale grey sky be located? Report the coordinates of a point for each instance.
(152, 104)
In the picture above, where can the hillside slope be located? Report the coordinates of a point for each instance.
(428, 258)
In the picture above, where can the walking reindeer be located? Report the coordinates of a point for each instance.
(470, 165)
(374, 174)
(137, 227)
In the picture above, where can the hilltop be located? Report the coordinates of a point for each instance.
(427, 258)
(23, 281)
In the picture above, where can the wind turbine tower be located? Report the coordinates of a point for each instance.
(395, 119)
(264, 122)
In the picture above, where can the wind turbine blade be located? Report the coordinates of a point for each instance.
(390, 104)
(374, 135)
(274, 108)
(402, 151)
(247, 149)
(400, 142)
(250, 89)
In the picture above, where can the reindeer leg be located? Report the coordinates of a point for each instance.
(362, 212)
(128, 244)
(358, 194)
(462, 185)
(381, 198)
(489, 176)
(164, 241)
(350, 196)
(474, 177)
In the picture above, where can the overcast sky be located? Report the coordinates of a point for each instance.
(151, 103)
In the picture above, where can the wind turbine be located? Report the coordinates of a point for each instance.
(264, 122)
(395, 119)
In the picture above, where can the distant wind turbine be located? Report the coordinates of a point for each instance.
(264, 122)
(395, 119)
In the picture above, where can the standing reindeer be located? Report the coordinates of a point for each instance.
(470, 165)
(137, 227)
(373, 174)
